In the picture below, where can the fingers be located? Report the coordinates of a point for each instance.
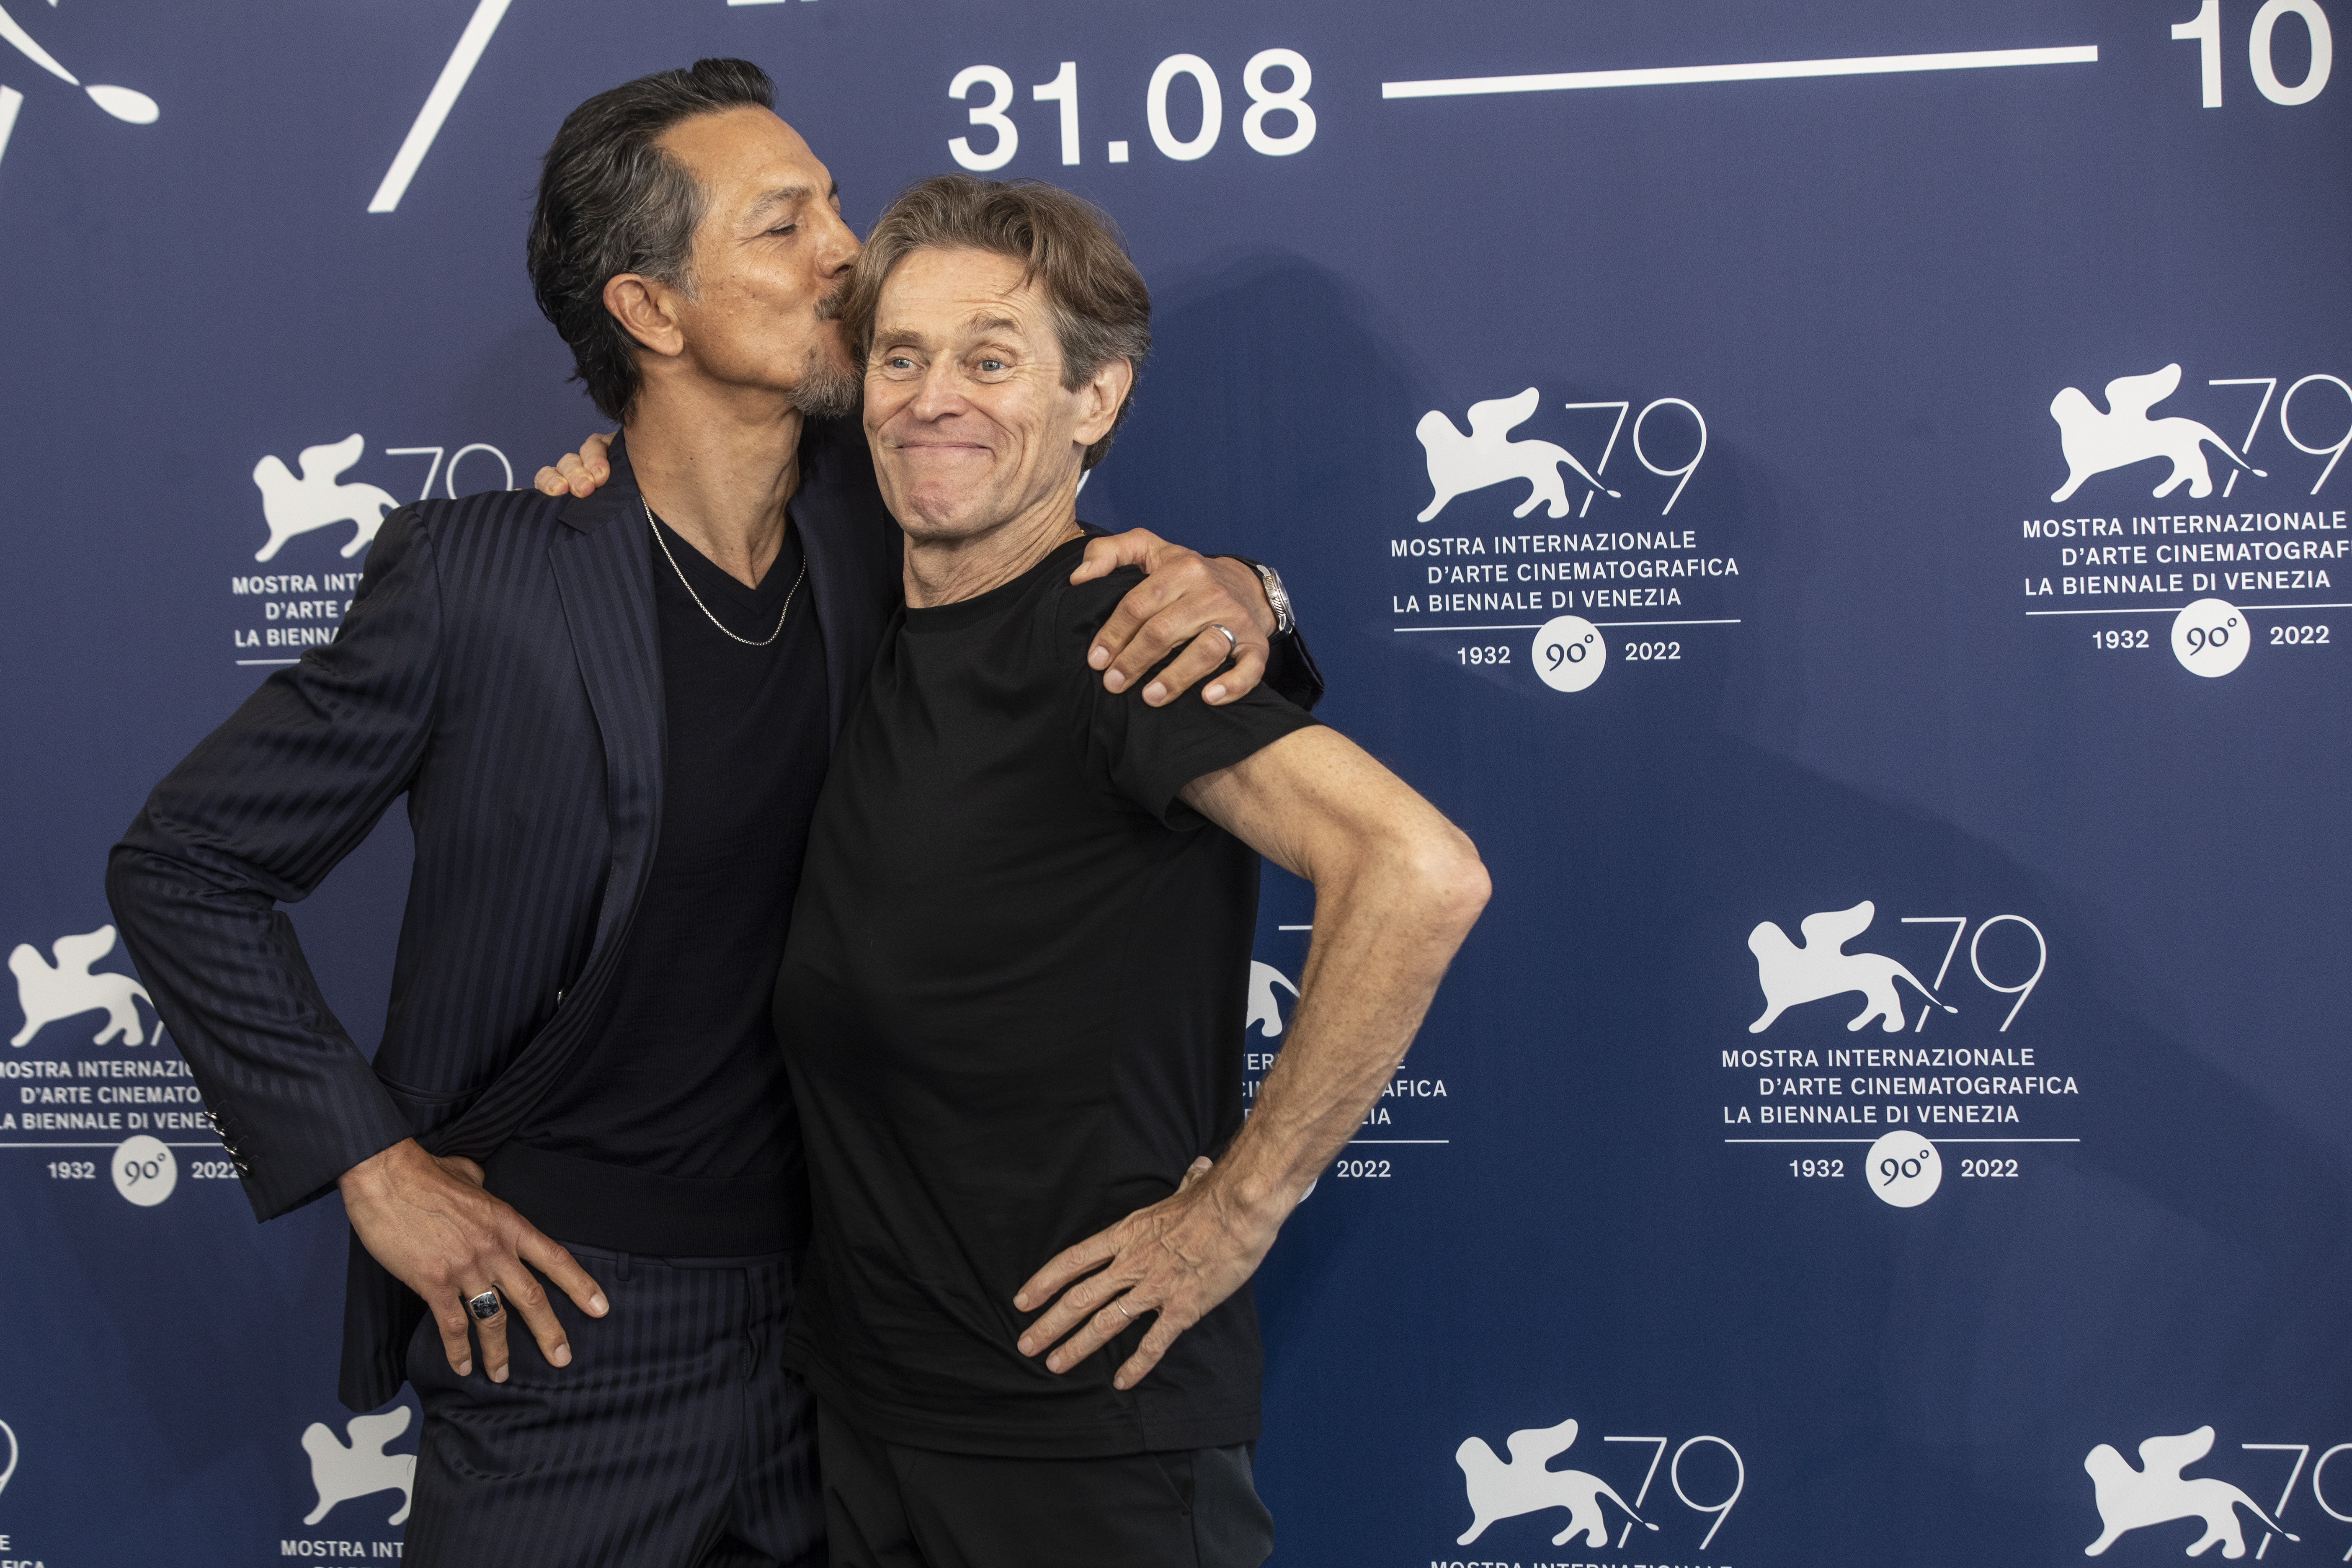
(492, 1331)
(1114, 650)
(1178, 603)
(449, 1318)
(1070, 1264)
(570, 476)
(1087, 1303)
(1249, 668)
(1104, 1324)
(429, 1222)
(519, 1288)
(1110, 552)
(566, 1275)
(1146, 1355)
(538, 1316)
(594, 467)
(578, 473)
(1200, 658)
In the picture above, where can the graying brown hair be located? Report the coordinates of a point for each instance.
(1070, 247)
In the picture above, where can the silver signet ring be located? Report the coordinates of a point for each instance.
(484, 1307)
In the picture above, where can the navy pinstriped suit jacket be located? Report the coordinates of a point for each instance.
(500, 665)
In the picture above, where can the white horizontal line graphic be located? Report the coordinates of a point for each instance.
(113, 1145)
(1761, 71)
(1538, 626)
(1906, 1130)
(2175, 609)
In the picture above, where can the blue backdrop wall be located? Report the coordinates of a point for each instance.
(1666, 449)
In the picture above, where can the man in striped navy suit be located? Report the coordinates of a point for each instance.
(610, 715)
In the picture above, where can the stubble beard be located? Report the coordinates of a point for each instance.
(826, 390)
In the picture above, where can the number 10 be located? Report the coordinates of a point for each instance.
(2204, 29)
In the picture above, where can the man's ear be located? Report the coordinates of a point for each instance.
(1102, 395)
(642, 307)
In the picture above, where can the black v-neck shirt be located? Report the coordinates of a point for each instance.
(675, 1134)
(1012, 1004)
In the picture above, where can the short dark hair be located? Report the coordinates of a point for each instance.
(611, 201)
(1101, 309)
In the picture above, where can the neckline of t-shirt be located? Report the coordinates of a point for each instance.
(997, 600)
(708, 579)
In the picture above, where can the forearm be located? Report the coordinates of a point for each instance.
(290, 1093)
(1384, 934)
(1397, 887)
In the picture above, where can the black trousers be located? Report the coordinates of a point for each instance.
(675, 1439)
(889, 1506)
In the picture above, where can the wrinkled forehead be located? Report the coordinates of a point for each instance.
(958, 290)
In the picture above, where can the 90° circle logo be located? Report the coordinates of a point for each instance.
(144, 1170)
(1569, 653)
(2211, 638)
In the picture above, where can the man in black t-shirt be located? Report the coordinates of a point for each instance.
(1011, 999)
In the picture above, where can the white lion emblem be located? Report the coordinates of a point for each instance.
(342, 1473)
(47, 994)
(1459, 464)
(2156, 1494)
(1791, 974)
(1500, 1491)
(2094, 442)
(295, 506)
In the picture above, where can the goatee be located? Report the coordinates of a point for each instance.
(828, 391)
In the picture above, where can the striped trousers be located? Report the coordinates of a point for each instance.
(675, 1439)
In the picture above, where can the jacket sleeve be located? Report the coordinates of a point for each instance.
(1290, 670)
(256, 815)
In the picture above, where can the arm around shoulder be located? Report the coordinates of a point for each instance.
(259, 812)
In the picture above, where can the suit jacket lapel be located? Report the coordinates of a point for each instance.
(604, 573)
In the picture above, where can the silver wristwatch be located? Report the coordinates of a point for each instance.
(1282, 620)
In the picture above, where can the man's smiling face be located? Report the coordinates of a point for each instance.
(965, 409)
(770, 251)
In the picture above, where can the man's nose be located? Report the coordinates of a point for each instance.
(940, 395)
(838, 246)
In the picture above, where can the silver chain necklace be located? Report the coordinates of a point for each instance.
(698, 604)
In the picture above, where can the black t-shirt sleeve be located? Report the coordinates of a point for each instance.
(1147, 754)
